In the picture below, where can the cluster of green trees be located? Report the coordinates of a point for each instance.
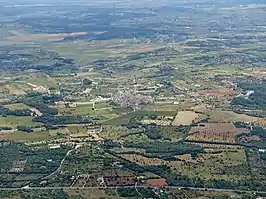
(49, 114)
(37, 164)
(6, 111)
(254, 130)
(5, 128)
(24, 128)
(175, 178)
(29, 58)
(109, 144)
(36, 194)
(153, 132)
(256, 100)
(41, 102)
(132, 193)
(159, 149)
(207, 59)
(57, 120)
(8, 194)
(239, 124)
(259, 131)
(36, 158)
(166, 147)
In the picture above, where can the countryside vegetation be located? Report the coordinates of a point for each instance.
(132, 99)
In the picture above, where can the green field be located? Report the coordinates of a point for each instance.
(13, 121)
(124, 119)
(27, 137)
(18, 106)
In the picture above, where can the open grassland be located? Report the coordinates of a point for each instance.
(210, 146)
(127, 150)
(229, 164)
(42, 81)
(261, 122)
(13, 121)
(219, 93)
(221, 116)
(104, 111)
(85, 50)
(134, 48)
(76, 130)
(36, 78)
(167, 106)
(216, 132)
(116, 132)
(88, 111)
(113, 132)
(230, 116)
(14, 88)
(159, 122)
(173, 136)
(136, 138)
(195, 194)
(22, 37)
(27, 137)
(60, 131)
(124, 119)
(184, 118)
(17, 106)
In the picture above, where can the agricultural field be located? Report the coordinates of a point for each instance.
(27, 137)
(229, 116)
(13, 121)
(19, 106)
(216, 132)
(98, 110)
(185, 118)
(217, 164)
(223, 116)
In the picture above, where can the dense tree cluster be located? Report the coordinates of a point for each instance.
(159, 149)
(166, 147)
(87, 82)
(41, 102)
(5, 128)
(5, 111)
(36, 158)
(24, 129)
(132, 192)
(57, 120)
(256, 100)
(153, 132)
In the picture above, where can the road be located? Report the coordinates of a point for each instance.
(61, 163)
(170, 187)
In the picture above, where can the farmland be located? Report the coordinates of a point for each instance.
(13, 121)
(205, 166)
(216, 132)
(184, 118)
(135, 99)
